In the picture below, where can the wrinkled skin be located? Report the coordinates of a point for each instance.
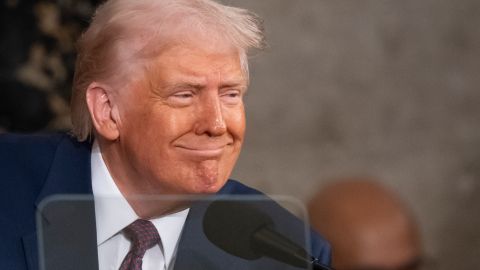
(180, 125)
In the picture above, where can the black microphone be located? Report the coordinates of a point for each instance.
(243, 230)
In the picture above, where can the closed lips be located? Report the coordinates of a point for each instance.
(204, 146)
(204, 149)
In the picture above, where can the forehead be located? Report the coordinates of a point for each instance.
(194, 62)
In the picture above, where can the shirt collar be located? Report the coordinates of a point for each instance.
(113, 212)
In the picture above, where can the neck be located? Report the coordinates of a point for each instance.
(147, 200)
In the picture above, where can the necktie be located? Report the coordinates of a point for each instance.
(143, 235)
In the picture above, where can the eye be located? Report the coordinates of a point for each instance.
(183, 95)
(232, 96)
(182, 98)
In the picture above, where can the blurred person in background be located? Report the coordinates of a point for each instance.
(368, 226)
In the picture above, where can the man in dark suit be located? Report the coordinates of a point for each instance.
(157, 109)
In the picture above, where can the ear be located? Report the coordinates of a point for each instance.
(101, 110)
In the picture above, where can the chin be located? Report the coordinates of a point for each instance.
(209, 187)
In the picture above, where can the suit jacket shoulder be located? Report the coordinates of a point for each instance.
(33, 167)
(25, 161)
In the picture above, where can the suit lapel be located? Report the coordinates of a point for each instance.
(69, 174)
(67, 235)
(30, 248)
(196, 252)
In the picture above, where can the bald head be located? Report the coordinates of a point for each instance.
(367, 225)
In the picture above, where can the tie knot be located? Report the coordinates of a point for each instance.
(143, 235)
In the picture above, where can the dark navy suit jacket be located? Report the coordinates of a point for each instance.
(33, 167)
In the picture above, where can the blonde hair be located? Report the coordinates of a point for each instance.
(125, 32)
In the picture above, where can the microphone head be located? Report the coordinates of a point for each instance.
(230, 225)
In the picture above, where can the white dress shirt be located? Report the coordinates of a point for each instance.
(113, 214)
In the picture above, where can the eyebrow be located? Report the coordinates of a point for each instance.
(185, 85)
(233, 83)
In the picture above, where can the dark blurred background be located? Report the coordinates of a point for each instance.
(37, 60)
(381, 88)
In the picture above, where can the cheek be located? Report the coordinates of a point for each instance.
(169, 124)
(236, 122)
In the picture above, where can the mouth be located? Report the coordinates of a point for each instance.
(203, 151)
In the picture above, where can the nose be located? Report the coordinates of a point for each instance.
(210, 118)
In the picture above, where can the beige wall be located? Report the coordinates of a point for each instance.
(373, 87)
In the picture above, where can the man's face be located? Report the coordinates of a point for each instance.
(182, 126)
